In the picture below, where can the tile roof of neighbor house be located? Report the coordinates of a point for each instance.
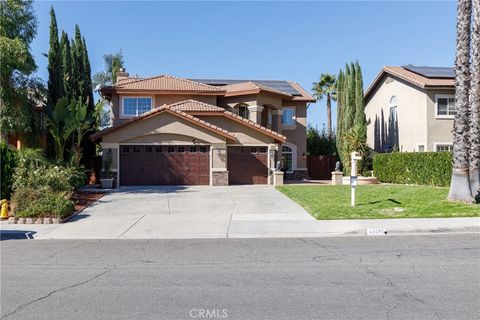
(249, 87)
(195, 106)
(164, 83)
(414, 78)
(183, 108)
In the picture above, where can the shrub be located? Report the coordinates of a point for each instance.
(47, 176)
(8, 163)
(319, 142)
(28, 202)
(423, 168)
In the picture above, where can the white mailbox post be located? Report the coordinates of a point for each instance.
(355, 156)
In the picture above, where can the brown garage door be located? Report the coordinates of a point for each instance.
(247, 165)
(164, 165)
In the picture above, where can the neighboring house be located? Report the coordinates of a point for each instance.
(411, 109)
(169, 130)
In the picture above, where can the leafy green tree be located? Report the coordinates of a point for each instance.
(55, 73)
(18, 90)
(113, 63)
(79, 59)
(61, 125)
(326, 88)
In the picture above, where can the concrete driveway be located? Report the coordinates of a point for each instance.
(183, 212)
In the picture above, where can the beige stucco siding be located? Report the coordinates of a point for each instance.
(244, 134)
(160, 127)
(297, 135)
(440, 130)
(158, 100)
(411, 115)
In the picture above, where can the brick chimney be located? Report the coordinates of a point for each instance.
(121, 74)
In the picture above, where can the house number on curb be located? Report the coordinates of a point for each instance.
(376, 232)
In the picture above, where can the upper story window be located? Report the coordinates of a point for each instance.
(288, 116)
(393, 109)
(242, 110)
(135, 106)
(445, 106)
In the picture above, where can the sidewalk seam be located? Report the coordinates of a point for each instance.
(131, 226)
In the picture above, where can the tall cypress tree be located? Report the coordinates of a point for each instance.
(340, 109)
(87, 79)
(79, 63)
(350, 97)
(360, 118)
(68, 80)
(55, 74)
(76, 92)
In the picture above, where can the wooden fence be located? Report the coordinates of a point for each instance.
(321, 167)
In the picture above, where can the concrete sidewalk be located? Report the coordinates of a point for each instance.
(242, 226)
(216, 212)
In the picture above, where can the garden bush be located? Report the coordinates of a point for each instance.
(422, 168)
(8, 162)
(29, 202)
(34, 171)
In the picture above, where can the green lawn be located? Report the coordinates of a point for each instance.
(378, 202)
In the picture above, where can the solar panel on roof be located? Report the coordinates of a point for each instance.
(275, 84)
(433, 72)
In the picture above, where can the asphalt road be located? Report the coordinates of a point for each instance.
(386, 277)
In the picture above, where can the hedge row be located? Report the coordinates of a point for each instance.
(8, 162)
(423, 168)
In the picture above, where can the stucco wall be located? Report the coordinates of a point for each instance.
(440, 130)
(158, 100)
(297, 135)
(158, 125)
(243, 134)
(411, 115)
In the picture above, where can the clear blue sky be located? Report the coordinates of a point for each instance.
(257, 40)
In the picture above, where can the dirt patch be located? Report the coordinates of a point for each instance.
(84, 199)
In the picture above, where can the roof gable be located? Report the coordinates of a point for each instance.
(413, 78)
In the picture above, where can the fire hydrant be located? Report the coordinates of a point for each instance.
(4, 210)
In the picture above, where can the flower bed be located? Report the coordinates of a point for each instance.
(54, 208)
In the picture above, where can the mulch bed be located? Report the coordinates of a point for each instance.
(84, 199)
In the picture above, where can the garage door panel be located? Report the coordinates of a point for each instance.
(247, 165)
(164, 165)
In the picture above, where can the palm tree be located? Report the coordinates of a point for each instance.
(113, 63)
(326, 88)
(460, 185)
(475, 103)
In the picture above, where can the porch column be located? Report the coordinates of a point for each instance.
(277, 120)
(219, 172)
(255, 114)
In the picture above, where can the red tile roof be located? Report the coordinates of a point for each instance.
(256, 126)
(195, 106)
(170, 110)
(305, 96)
(411, 77)
(164, 83)
(249, 87)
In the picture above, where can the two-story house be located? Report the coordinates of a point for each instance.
(411, 109)
(170, 130)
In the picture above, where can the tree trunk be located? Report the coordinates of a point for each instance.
(329, 115)
(474, 155)
(460, 185)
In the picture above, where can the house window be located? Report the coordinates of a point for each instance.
(253, 150)
(193, 149)
(262, 150)
(148, 149)
(158, 149)
(181, 149)
(242, 111)
(393, 110)
(135, 106)
(421, 148)
(171, 149)
(125, 149)
(287, 159)
(136, 149)
(445, 106)
(203, 149)
(444, 147)
(288, 117)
